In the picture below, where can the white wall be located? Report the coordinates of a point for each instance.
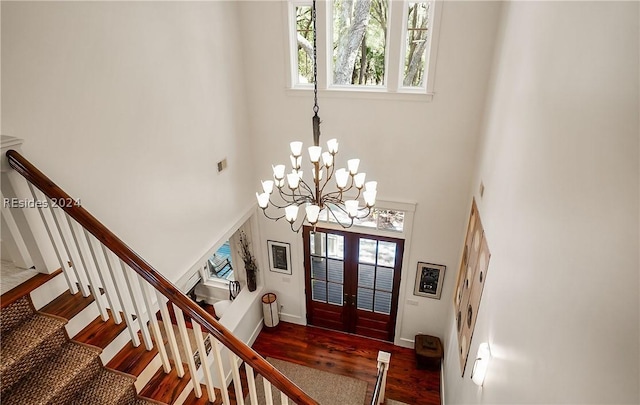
(433, 142)
(559, 161)
(128, 106)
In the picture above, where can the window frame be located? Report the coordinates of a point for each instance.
(394, 55)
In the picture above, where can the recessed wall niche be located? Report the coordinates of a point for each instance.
(470, 283)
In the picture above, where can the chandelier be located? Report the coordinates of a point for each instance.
(338, 200)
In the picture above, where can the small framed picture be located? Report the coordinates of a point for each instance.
(279, 257)
(429, 280)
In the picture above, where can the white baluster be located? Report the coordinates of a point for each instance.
(237, 383)
(217, 357)
(171, 337)
(108, 290)
(93, 283)
(153, 321)
(59, 219)
(204, 359)
(54, 242)
(267, 391)
(251, 381)
(111, 261)
(135, 300)
(284, 399)
(186, 343)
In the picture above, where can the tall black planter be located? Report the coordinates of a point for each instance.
(251, 279)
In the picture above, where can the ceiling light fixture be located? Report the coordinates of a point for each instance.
(316, 198)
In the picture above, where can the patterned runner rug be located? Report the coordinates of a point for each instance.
(324, 387)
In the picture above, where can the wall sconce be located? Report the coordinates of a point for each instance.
(481, 364)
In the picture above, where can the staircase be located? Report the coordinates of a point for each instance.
(40, 364)
(96, 326)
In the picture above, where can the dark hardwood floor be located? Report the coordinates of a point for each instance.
(353, 356)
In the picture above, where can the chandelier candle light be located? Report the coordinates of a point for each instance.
(295, 192)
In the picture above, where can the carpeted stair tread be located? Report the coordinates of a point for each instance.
(28, 346)
(119, 390)
(57, 381)
(14, 314)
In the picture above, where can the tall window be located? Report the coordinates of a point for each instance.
(304, 41)
(359, 42)
(416, 43)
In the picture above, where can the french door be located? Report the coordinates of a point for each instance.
(352, 281)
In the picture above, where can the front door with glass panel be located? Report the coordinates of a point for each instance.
(352, 281)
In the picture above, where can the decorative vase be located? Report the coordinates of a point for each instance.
(251, 278)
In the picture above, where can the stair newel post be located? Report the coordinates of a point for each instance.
(135, 299)
(251, 382)
(94, 286)
(171, 337)
(153, 321)
(111, 266)
(55, 242)
(204, 360)
(108, 289)
(237, 382)
(186, 343)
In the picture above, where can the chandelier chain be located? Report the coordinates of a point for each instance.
(315, 61)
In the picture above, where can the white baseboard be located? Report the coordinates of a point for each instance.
(296, 319)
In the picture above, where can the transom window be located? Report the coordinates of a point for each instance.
(362, 46)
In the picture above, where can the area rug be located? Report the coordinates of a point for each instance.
(324, 387)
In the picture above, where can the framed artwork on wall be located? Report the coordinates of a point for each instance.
(429, 280)
(279, 257)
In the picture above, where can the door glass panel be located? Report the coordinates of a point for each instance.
(386, 253)
(365, 299)
(319, 290)
(366, 274)
(335, 293)
(317, 243)
(319, 268)
(335, 271)
(384, 278)
(335, 246)
(383, 302)
(367, 252)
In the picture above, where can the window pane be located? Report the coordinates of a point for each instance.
(318, 268)
(304, 38)
(319, 290)
(335, 271)
(390, 220)
(359, 42)
(365, 299)
(317, 243)
(219, 265)
(383, 302)
(335, 246)
(386, 253)
(335, 294)
(367, 253)
(366, 274)
(384, 278)
(418, 30)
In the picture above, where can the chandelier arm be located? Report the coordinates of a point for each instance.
(362, 209)
(326, 181)
(306, 187)
(336, 218)
(264, 211)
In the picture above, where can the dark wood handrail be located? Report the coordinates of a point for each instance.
(153, 277)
